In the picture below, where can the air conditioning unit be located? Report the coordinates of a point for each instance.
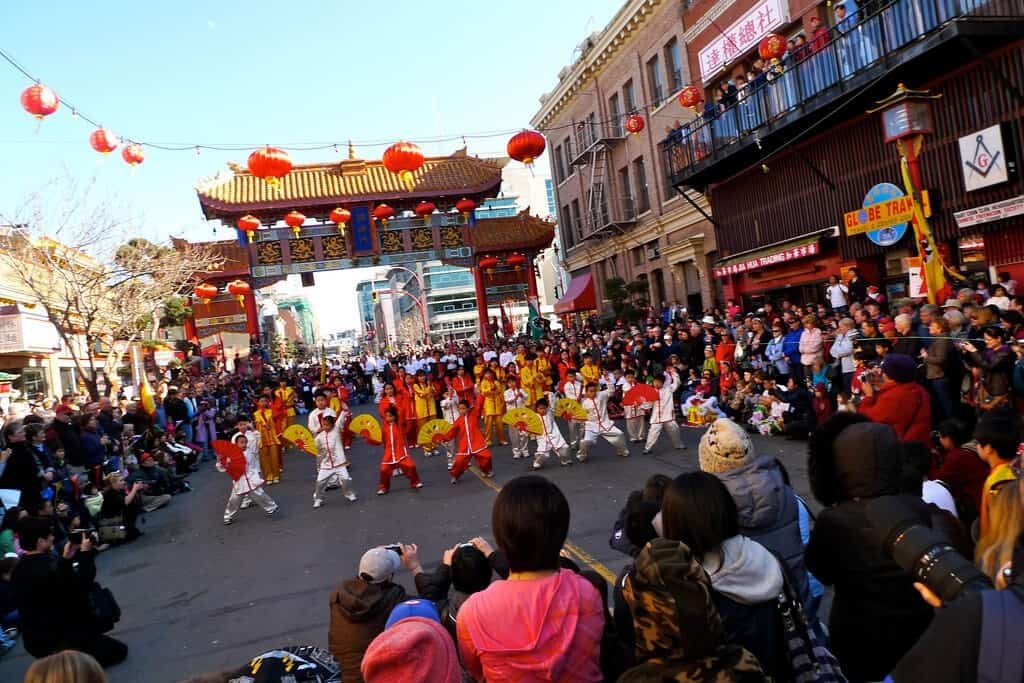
(653, 253)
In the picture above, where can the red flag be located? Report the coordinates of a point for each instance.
(506, 323)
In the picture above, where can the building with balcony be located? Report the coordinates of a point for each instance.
(785, 150)
(618, 215)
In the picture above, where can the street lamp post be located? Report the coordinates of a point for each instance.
(906, 119)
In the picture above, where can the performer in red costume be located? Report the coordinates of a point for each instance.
(471, 440)
(396, 455)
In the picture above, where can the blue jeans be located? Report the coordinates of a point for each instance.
(943, 399)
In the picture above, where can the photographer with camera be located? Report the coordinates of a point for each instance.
(56, 596)
(977, 633)
(361, 605)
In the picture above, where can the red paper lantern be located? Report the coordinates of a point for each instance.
(340, 217)
(424, 210)
(488, 263)
(525, 146)
(634, 123)
(250, 224)
(271, 164)
(465, 206)
(239, 288)
(103, 141)
(133, 154)
(516, 261)
(39, 101)
(294, 220)
(206, 291)
(403, 158)
(690, 96)
(772, 46)
(383, 213)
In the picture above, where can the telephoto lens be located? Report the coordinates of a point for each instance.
(926, 555)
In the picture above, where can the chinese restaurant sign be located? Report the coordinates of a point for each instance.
(742, 36)
(771, 259)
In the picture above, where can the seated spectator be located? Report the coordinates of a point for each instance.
(679, 634)
(767, 509)
(291, 664)
(121, 508)
(9, 529)
(69, 666)
(23, 471)
(465, 569)
(876, 613)
(653, 492)
(360, 608)
(746, 578)
(900, 402)
(158, 483)
(414, 648)
(543, 622)
(51, 595)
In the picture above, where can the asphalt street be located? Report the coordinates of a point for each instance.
(199, 596)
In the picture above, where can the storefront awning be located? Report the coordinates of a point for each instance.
(579, 296)
(781, 252)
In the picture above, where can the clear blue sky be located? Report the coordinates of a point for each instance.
(268, 72)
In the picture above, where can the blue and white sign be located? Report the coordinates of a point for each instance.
(885, 237)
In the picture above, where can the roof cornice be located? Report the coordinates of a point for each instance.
(615, 36)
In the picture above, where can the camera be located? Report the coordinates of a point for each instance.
(926, 555)
(397, 547)
(75, 536)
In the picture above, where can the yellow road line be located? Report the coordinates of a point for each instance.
(573, 549)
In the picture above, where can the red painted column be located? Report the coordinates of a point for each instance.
(252, 322)
(191, 334)
(481, 303)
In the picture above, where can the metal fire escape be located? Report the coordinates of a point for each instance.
(602, 217)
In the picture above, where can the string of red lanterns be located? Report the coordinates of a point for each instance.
(294, 220)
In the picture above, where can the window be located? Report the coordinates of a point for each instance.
(33, 381)
(615, 111)
(575, 225)
(643, 198)
(567, 227)
(559, 168)
(67, 380)
(567, 148)
(629, 96)
(627, 192)
(656, 79)
(638, 256)
(674, 64)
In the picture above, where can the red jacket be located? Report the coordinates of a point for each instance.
(905, 406)
(394, 443)
(467, 429)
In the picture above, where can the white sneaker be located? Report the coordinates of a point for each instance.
(228, 521)
(536, 464)
(351, 497)
(317, 503)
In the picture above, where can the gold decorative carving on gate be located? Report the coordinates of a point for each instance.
(422, 238)
(268, 253)
(302, 249)
(391, 242)
(334, 247)
(451, 237)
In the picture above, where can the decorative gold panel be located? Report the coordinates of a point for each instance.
(302, 249)
(451, 237)
(422, 238)
(391, 242)
(334, 246)
(268, 253)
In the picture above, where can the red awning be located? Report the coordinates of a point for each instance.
(578, 297)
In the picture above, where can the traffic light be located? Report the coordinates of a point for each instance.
(374, 297)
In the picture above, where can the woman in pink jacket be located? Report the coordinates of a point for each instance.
(812, 345)
(543, 623)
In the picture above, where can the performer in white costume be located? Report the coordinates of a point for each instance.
(515, 397)
(599, 424)
(331, 461)
(550, 440)
(250, 484)
(663, 414)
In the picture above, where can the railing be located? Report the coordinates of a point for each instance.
(852, 46)
(611, 211)
(589, 133)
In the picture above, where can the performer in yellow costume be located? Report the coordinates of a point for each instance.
(287, 397)
(270, 444)
(423, 400)
(590, 371)
(493, 408)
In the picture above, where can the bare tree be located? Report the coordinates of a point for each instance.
(100, 288)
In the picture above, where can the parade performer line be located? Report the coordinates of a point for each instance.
(581, 554)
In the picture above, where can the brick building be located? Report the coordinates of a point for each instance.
(619, 215)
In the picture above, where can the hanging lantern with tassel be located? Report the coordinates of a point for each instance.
(206, 291)
(294, 220)
(341, 217)
(249, 225)
(239, 288)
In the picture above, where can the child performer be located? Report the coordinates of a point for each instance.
(450, 413)
(634, 414)
(574, 389)
(316, 416)
(662, 414)
(490, 389)
(551, 438)
(269, 444)
(515, 397)
(331, 463)
(396, 454)
(471, 440)
(249, 486)
(599, 424)
(423, 400)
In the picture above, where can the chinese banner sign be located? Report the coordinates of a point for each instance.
(741, 37)
(363, 232)
(781, 256)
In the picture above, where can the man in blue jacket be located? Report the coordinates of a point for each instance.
(791, 347)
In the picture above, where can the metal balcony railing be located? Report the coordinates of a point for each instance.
(589, 134)
(612, 213)
(852, 46)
